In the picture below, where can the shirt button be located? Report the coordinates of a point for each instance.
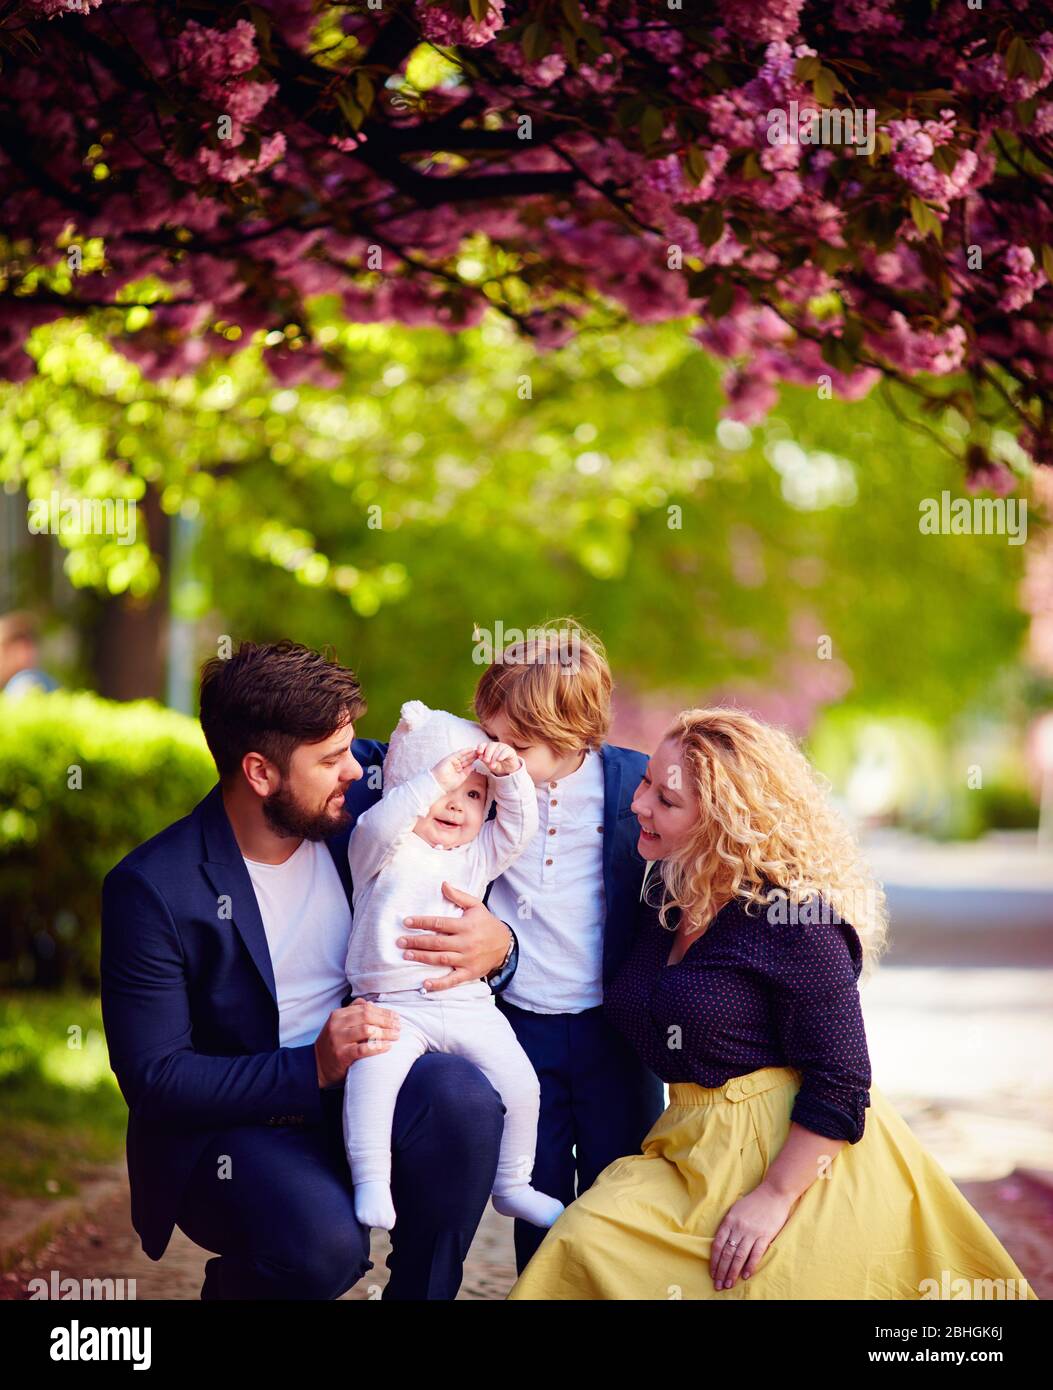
(552, 831)
(552, 785)
(553, 802)
(599, 830)
(548, 861)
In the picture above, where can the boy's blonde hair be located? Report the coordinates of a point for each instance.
(553, 687)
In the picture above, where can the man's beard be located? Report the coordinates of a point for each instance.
(289, 817)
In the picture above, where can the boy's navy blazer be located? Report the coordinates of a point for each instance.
(188, 994)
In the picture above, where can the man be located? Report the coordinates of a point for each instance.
(19, 655)
(223, 995)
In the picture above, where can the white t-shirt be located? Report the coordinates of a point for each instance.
(307, 919)
(552, 896)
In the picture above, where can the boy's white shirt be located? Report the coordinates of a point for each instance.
(554, 897)
(396, 874)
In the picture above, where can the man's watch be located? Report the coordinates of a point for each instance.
(508, 954)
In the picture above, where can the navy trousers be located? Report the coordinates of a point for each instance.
(276, 1204)
(598, 1103)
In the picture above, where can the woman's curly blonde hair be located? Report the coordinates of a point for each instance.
(766, 831)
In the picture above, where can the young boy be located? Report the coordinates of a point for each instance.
(576, 891)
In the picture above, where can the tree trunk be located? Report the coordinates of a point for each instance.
(129, 640)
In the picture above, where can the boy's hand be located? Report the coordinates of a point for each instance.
(499, 758)
(452, 771)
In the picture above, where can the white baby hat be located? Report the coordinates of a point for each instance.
(422, 738)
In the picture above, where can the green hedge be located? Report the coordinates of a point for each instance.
(139, 768)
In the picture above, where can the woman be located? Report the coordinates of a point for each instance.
(775, 1171)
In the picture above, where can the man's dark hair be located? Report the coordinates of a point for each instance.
(267, 698)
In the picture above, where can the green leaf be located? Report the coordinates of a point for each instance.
(1021, 60)
(1025, 110)
(711, 224)
(353, 113)
(834, 351)
(695, 162)
(250, 145)
(807, 69)
(701, 282)
(945, 158)
(593, 37)
(652, 123)
(721, 300)
(573, 15)
(1047, 261)
(741, 230)
(480, 9)
(535, 42)
(365, 92)
(825, 84)
(629, 112)
(852, 333)
(925, 219)
(261, 22)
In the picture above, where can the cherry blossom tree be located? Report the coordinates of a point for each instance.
(834, 196)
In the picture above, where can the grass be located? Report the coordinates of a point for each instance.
(63, 1112)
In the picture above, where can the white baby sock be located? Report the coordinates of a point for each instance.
(528, 1205)
(373, 1205)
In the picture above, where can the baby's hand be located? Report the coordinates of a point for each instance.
(499, 758)
(452, 771)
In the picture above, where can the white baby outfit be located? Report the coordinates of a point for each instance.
(396, 874)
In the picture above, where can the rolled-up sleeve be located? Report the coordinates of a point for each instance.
(814, 971)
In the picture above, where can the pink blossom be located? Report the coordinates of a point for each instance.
(918, 350)
(439, 26)
(51, 8)
(913, 145)
(1021, 280)
(763, 20)
(210, 57)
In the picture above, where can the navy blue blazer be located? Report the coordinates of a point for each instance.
(188, 995)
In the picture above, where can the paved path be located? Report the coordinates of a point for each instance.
(965, 1052)
(1020, 1213)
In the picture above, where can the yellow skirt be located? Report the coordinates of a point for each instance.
(883, 1221)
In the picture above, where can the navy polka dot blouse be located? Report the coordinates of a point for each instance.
(751, 993)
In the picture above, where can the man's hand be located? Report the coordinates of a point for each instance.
(452, 771)
(359, 1030)
(472, 945)
(499, 759)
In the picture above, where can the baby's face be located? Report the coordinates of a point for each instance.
(456, 817)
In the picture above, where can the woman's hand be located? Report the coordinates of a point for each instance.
(747, 1230)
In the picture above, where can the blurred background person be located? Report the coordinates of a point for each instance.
(20, 669)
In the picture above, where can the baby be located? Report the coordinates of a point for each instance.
(431, 826)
